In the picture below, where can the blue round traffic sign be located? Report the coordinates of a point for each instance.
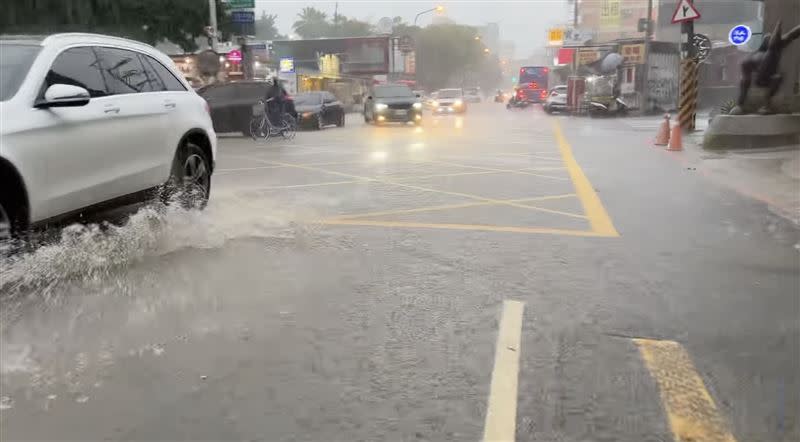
(740, 35)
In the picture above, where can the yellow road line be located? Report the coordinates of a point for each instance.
(425, 189)
(598, 217)
(447, 207)
(450, 226)
(520, 172)
(501, 413)
(692, 413)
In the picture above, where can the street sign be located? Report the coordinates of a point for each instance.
(243, 17)
(234, 56)
(740, 35)
(702, 46)
(286, 65)
(555, 36)
(241, 4)
(685, 12)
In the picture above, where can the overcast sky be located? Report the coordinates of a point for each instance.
(523, 22)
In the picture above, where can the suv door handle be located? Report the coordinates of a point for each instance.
(169, 104)
(111, 109)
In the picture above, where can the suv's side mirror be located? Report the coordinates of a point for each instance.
(64, 95)
(418, 95)
(369, 97)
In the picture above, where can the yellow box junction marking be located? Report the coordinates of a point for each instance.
(692, 413)
(501, 414)
(595, 213)
(598, 217)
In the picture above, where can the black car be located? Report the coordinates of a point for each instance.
(319, 109)
(392, 102)
(231, 104)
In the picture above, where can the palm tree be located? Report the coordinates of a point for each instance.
(311, 23)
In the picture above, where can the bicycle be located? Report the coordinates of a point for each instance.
(262, 127)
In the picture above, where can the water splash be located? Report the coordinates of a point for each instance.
(90, 253)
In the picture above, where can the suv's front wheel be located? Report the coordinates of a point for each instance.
(190, 181)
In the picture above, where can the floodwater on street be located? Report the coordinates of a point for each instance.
(483, 275)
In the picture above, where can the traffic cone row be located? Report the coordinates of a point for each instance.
(670, 137)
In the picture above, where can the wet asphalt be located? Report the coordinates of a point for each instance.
(349, 284)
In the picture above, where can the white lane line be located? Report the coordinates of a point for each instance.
(501, 414)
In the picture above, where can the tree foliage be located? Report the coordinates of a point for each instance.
(151, 21)
(449, 56)
(313, 23)
(266, 29)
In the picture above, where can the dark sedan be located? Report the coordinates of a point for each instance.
(319, 109)
(392, 102)
(231, 104)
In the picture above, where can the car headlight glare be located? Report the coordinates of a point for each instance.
(458, 103)
(381, 107)
(308, 114)
(417, 106)
(435, 103)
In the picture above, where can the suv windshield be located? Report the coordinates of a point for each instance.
(15, 60)
(450, 93)
(393, 92)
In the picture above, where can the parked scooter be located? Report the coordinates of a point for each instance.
(616, 107)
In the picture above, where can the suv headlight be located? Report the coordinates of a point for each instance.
(417, 106)
(381, 107)
(458, 103)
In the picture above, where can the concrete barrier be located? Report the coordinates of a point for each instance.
(752, 131)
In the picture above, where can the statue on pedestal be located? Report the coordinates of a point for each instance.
(761, 67)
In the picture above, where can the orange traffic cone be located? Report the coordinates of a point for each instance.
(662, 139)
(675, 140)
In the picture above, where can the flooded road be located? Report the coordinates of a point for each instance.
(352, 284)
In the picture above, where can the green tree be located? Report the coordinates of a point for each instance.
(349, 27)
(312, 23)
(151, 21)
(449, 56)
(266, 28)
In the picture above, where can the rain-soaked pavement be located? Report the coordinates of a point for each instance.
(493, 275)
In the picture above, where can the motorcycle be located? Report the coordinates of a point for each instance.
(614, 107)
(515, 103)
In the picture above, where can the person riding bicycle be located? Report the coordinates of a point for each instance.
(276, 101)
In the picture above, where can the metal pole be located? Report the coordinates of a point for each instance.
(212, 12)
(423, 12)
(648, 35)
(575, 16)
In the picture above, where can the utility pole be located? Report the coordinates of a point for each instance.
(648, 35)
(575, 15)
(212, 20)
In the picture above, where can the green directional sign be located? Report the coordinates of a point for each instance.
(241, 4)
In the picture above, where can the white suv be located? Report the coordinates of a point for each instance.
(90, 121)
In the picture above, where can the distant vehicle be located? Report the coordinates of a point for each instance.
(449, 101)
(232, 103)
(532, 85)
(472, 95)
(318, 109)
(392, 103)
(557, 100)
(90, 121)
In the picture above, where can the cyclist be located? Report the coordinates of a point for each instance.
(276, 101)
